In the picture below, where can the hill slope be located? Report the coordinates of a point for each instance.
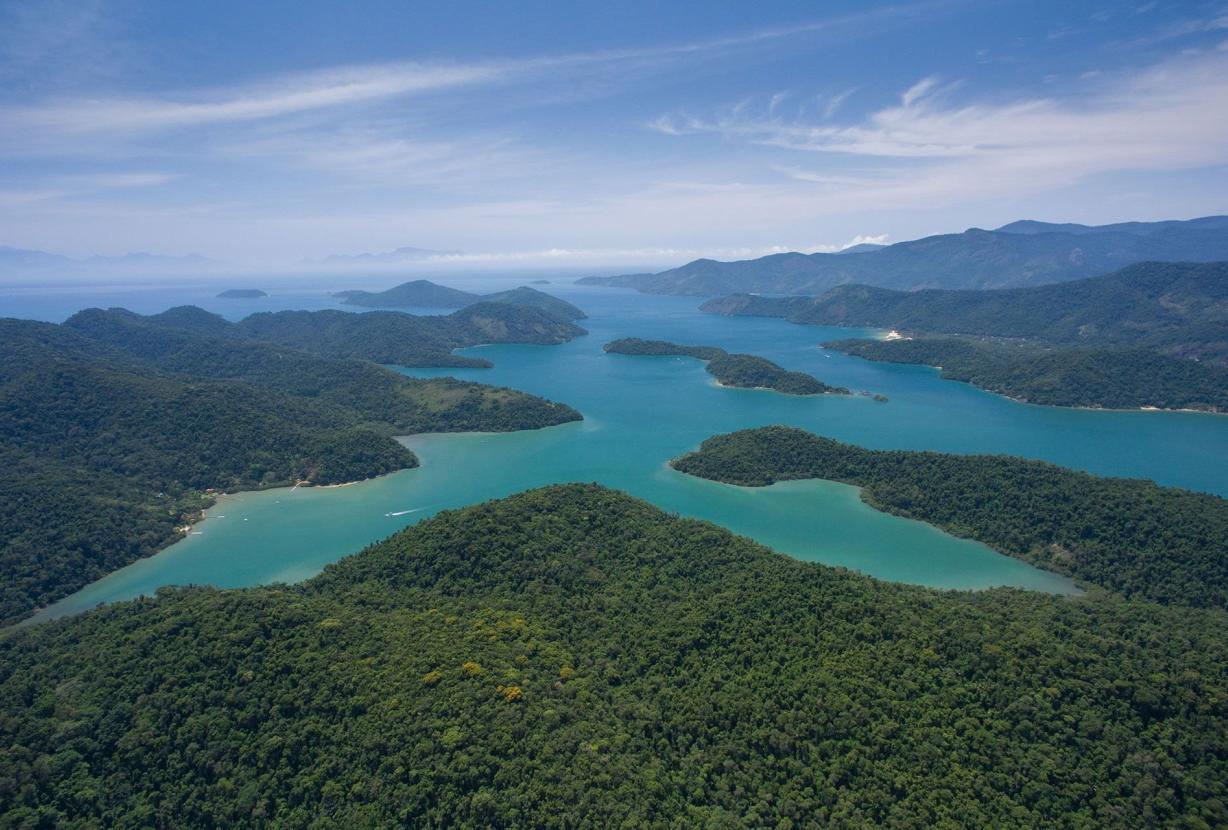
(1129, 535)
(572, 657)
(426, 294)
(114, 426)
(1178, 308)
(1020, 254)
(412, 294)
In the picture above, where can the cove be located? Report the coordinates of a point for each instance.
(642, 411)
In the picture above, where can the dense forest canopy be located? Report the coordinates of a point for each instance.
(1150, 335)
(1128, 535)
(572, 657)
(389, 337)
(741, 370)
(1112, 378)
(115, 426)
(1176, 308)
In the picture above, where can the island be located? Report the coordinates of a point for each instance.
(575, 653)
(1131, 536)
(426, 294)
(740, 370)
(1150, 336)
(242, 294)
(182, 406)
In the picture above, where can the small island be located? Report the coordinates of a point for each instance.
(242, 294)
(744, 371)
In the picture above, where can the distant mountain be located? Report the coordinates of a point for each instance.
(1019, 254)
(23, 258)
(242, 294)
(863, 248)
(406, 254)
(426, 294)
(1180, 309)
(413, 294)
(14, 261)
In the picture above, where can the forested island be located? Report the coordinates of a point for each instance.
(741, 370)
(389, 337)
(1092, 378)
(1128, 535)
(1152, 335)
(242, 294)
(574, 657)
(426, 294)
(116, 425)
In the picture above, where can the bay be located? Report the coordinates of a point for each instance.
(642, 411)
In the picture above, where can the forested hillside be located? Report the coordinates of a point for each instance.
(572, 657)
(426, 294)
(389, 337)
(741, 370)
(1129, 535)
(1018, 254)
(1176, 308)
(114, 427)
(1112, 378)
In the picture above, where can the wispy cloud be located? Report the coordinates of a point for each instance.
(1170, 116)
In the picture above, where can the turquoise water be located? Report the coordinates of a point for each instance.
(642, 411)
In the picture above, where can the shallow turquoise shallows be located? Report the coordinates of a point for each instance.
(641, 411)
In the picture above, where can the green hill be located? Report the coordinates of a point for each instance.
(1178, 308)
(1095, 378)
(412, 294)
(572, 657)
(115, 426)
(1132, 536)
(426, 294)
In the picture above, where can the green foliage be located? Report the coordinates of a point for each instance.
(711, 683)
(1129, 535)
(634, 345)
(742, 370)
(114, 426)
(1113, 378)
(1178, 308)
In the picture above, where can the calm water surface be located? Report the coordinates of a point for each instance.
(642, 411)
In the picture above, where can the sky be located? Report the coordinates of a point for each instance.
(596, 134)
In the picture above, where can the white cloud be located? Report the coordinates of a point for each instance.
(918, 90)
(1168, 117)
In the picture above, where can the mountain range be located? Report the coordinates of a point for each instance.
(25, 261)
(1018, 254)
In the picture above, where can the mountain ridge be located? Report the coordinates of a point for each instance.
(1019, 254)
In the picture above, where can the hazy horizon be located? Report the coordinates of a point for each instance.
(596, 138)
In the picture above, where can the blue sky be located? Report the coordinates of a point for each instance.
(597, 133)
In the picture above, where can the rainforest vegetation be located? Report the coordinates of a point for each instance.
(572, 657)
(115, 426)
(742, 370)
(1131, 536)
(1112, 378)
(1153, 334)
